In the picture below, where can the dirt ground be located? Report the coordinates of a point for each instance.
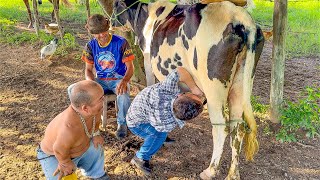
(32, 92)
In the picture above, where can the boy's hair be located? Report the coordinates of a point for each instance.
(185, 108)
(97, 23)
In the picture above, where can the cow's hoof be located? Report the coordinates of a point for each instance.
(233, 175)
(206, 175)
(232, 178)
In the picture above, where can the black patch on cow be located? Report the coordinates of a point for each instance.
(160, 11)
(259, 41)
(193, 19)
(179, 63)
(169, 60)
(173, 66)
(221, 57)
(160, 69)
(166, 63)
(185, 42)
(168, 29)
(195, 58)
(177, 57)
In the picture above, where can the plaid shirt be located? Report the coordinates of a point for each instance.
(154, 105)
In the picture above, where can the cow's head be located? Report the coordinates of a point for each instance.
(123, 13)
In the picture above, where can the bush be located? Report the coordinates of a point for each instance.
(301, 118)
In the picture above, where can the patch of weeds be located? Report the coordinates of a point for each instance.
(10, 34)
(260, 110)
(69, 44)
(301, 118)
(266, 130)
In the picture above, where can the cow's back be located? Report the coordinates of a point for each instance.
(187, 35)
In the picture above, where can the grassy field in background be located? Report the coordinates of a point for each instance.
(303, 37)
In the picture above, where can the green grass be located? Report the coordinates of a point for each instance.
(303, 29)
(15, 10)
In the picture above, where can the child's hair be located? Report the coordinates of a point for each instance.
(185, 108)
(97, 23)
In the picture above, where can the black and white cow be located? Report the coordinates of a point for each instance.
(219, 44)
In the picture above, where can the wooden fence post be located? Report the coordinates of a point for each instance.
(278, 58)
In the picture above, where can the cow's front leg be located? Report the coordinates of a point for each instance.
(151, 79)
(219, 133)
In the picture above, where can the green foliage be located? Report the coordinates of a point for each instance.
(258, 107)
(301, 117)
(303, 27)
(69, 44)
(8, 34)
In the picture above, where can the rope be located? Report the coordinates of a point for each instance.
(228, 123)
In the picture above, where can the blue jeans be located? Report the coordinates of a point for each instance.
(153, 140)
(123, 100)
(90, 162)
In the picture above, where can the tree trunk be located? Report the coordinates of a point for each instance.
(36, 16)
(106, 6)
(88, 8)
(278, 58)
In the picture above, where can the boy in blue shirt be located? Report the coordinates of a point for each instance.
(112, 58)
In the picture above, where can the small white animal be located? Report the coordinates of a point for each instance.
(49, 49)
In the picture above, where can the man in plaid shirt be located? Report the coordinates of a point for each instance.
(158, 109)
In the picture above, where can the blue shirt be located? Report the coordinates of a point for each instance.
(110, 59)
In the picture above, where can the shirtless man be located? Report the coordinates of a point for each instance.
(72, 139)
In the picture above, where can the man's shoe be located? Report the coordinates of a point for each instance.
(121, 131)
(143, 165)
(168, 141)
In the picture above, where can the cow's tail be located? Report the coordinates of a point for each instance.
(251, 142)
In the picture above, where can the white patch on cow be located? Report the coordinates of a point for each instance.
(148, 29)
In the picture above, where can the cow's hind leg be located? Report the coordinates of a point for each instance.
(237, 129)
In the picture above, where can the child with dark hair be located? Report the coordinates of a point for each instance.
(109, 62)
(158, 109)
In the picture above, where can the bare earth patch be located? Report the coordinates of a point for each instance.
(32, 92)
